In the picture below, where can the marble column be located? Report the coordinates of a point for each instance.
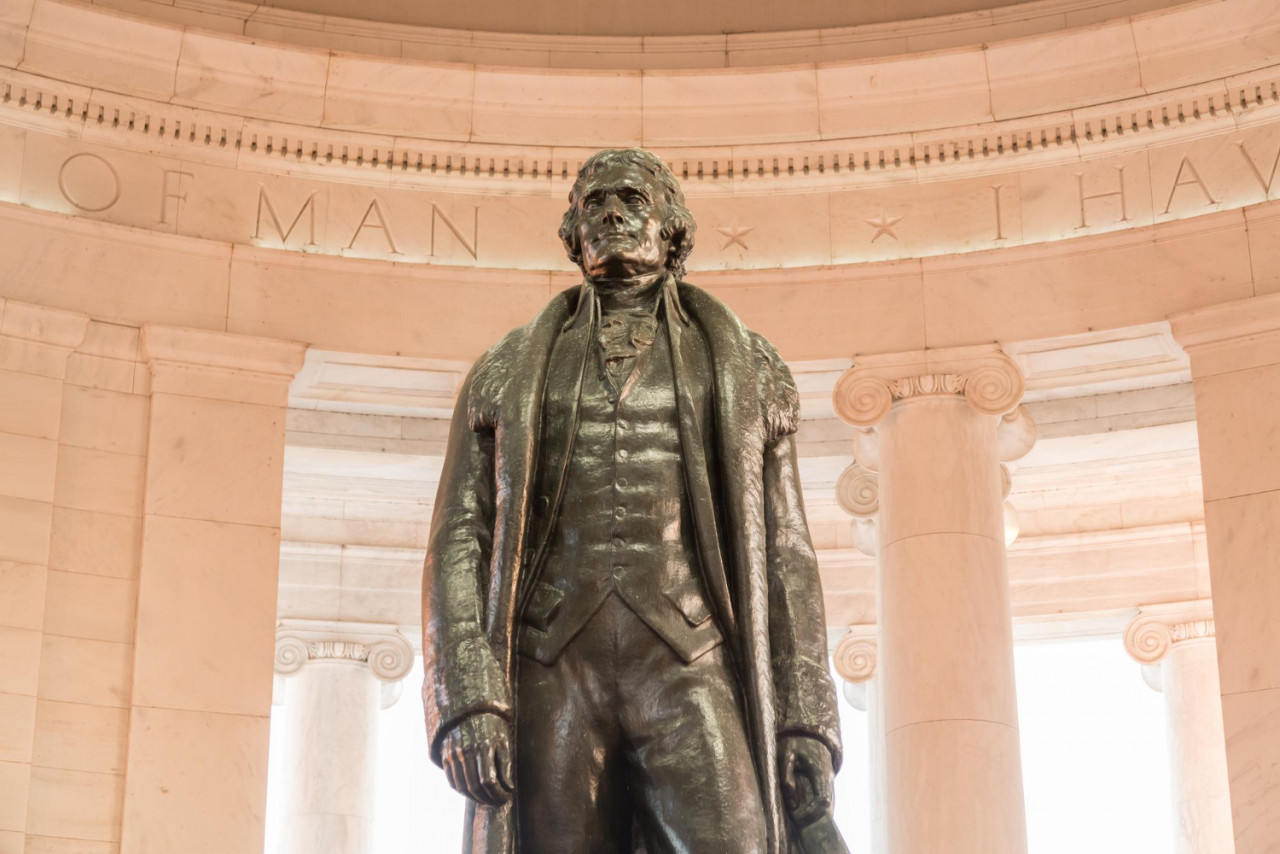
(1235, 370)
(208, 582)
(1175, 645)
(855, 662)
(346, 674)
(953, 764)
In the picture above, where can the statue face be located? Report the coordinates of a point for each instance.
(621, 213)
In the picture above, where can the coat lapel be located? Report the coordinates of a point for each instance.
(740, 439)
(567, 368)
(690, 363)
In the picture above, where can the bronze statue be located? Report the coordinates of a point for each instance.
(624, 637)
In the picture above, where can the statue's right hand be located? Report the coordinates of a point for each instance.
(476, 755)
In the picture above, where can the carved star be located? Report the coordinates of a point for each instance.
(735, 235)
(884, 225)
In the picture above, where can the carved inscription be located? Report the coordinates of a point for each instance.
(1088, 197)
(407, 224)
(995, 192)
(168, 193)
(379, 223)
(1187, 170)
(1257, 172)
(473, 246)
(79, 171)
(308, 207)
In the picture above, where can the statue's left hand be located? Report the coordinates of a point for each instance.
(807, 778)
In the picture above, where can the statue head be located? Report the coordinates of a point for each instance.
(627, 216)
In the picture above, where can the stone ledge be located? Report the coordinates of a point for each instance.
(812, 101)
(201, 348)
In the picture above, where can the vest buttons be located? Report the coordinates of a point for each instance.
(619, 542)
(622, 483)
(619, 512)
(623, 454)
(623, 425)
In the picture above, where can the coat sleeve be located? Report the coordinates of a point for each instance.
(462, 674)
(804, 691)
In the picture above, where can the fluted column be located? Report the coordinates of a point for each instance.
(855, 659)
(1175, 644)
(953, 765)
(346, 673)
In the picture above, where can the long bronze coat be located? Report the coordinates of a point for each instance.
(759, 566)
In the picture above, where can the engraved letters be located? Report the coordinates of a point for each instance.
(87, 202)
(166, 193)
(471, 247)
(995, 191)
(309, 206)
(1186, 166)
(1124, 206)
(1257, 173)
(422, 223)
(375, 210)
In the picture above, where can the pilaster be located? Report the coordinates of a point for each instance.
(35, 344)
(1235, 368)
(208, 582)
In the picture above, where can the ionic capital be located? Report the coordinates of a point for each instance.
(989, 380)
(1158, 628)
(856, 654)
(858, 491)
(858, 494)
(382, 648)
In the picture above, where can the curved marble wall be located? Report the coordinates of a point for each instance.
(1088, 178)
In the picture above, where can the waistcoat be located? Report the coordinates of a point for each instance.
(624, 524)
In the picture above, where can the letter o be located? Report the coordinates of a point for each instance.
(115, 182)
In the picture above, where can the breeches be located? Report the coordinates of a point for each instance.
(620, 734)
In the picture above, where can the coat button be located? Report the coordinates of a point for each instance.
(541, 505)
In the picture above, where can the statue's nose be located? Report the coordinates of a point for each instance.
(612, 212)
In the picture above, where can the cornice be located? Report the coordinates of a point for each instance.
(826, 123)
(1224, 325)
(221, 350)
(992, 146)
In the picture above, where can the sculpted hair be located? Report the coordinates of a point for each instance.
(678, 227)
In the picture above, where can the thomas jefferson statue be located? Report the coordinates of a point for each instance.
(624, 637)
